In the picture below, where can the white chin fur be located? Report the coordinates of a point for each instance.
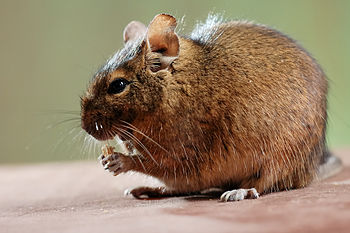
(124, 147)
(120, 145)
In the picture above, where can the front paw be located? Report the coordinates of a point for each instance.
(112, 163)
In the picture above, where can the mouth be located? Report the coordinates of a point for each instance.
(105, 132)
(100, 131)
(113, 135)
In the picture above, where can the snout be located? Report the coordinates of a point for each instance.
(97, 120)
(98, 127)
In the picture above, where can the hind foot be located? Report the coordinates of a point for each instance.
(239, 195)
(150, 192)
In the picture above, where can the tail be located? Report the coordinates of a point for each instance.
(330, 165)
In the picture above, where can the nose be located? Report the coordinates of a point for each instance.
(94, 119)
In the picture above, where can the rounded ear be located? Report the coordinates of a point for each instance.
(134, 30)
(162, 39)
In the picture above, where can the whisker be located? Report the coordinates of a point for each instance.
(65, 112)
(89, 144)
(73, 119)
(63, 138)
(132, 127)
(139, 143)
(126, 136)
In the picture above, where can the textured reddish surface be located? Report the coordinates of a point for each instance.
(82, 197)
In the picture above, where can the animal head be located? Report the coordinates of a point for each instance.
(131, 83)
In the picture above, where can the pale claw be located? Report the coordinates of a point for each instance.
(127, 192)
(239, 195)
(111, 163)
(101, 158)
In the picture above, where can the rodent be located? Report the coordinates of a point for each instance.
(234, 105)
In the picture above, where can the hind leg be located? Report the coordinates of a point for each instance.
(151, 192)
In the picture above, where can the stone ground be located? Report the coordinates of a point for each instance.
(82, 197)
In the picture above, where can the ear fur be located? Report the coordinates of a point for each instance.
(162, 40)
(133, 30)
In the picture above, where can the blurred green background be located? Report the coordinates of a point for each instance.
(49, 50)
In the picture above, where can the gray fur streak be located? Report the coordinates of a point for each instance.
(203, 33)
(130, 50)
(206, 32)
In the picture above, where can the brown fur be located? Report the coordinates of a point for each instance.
(246, 109)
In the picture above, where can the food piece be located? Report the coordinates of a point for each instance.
(107, 150)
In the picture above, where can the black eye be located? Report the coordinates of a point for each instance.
(117, 86)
